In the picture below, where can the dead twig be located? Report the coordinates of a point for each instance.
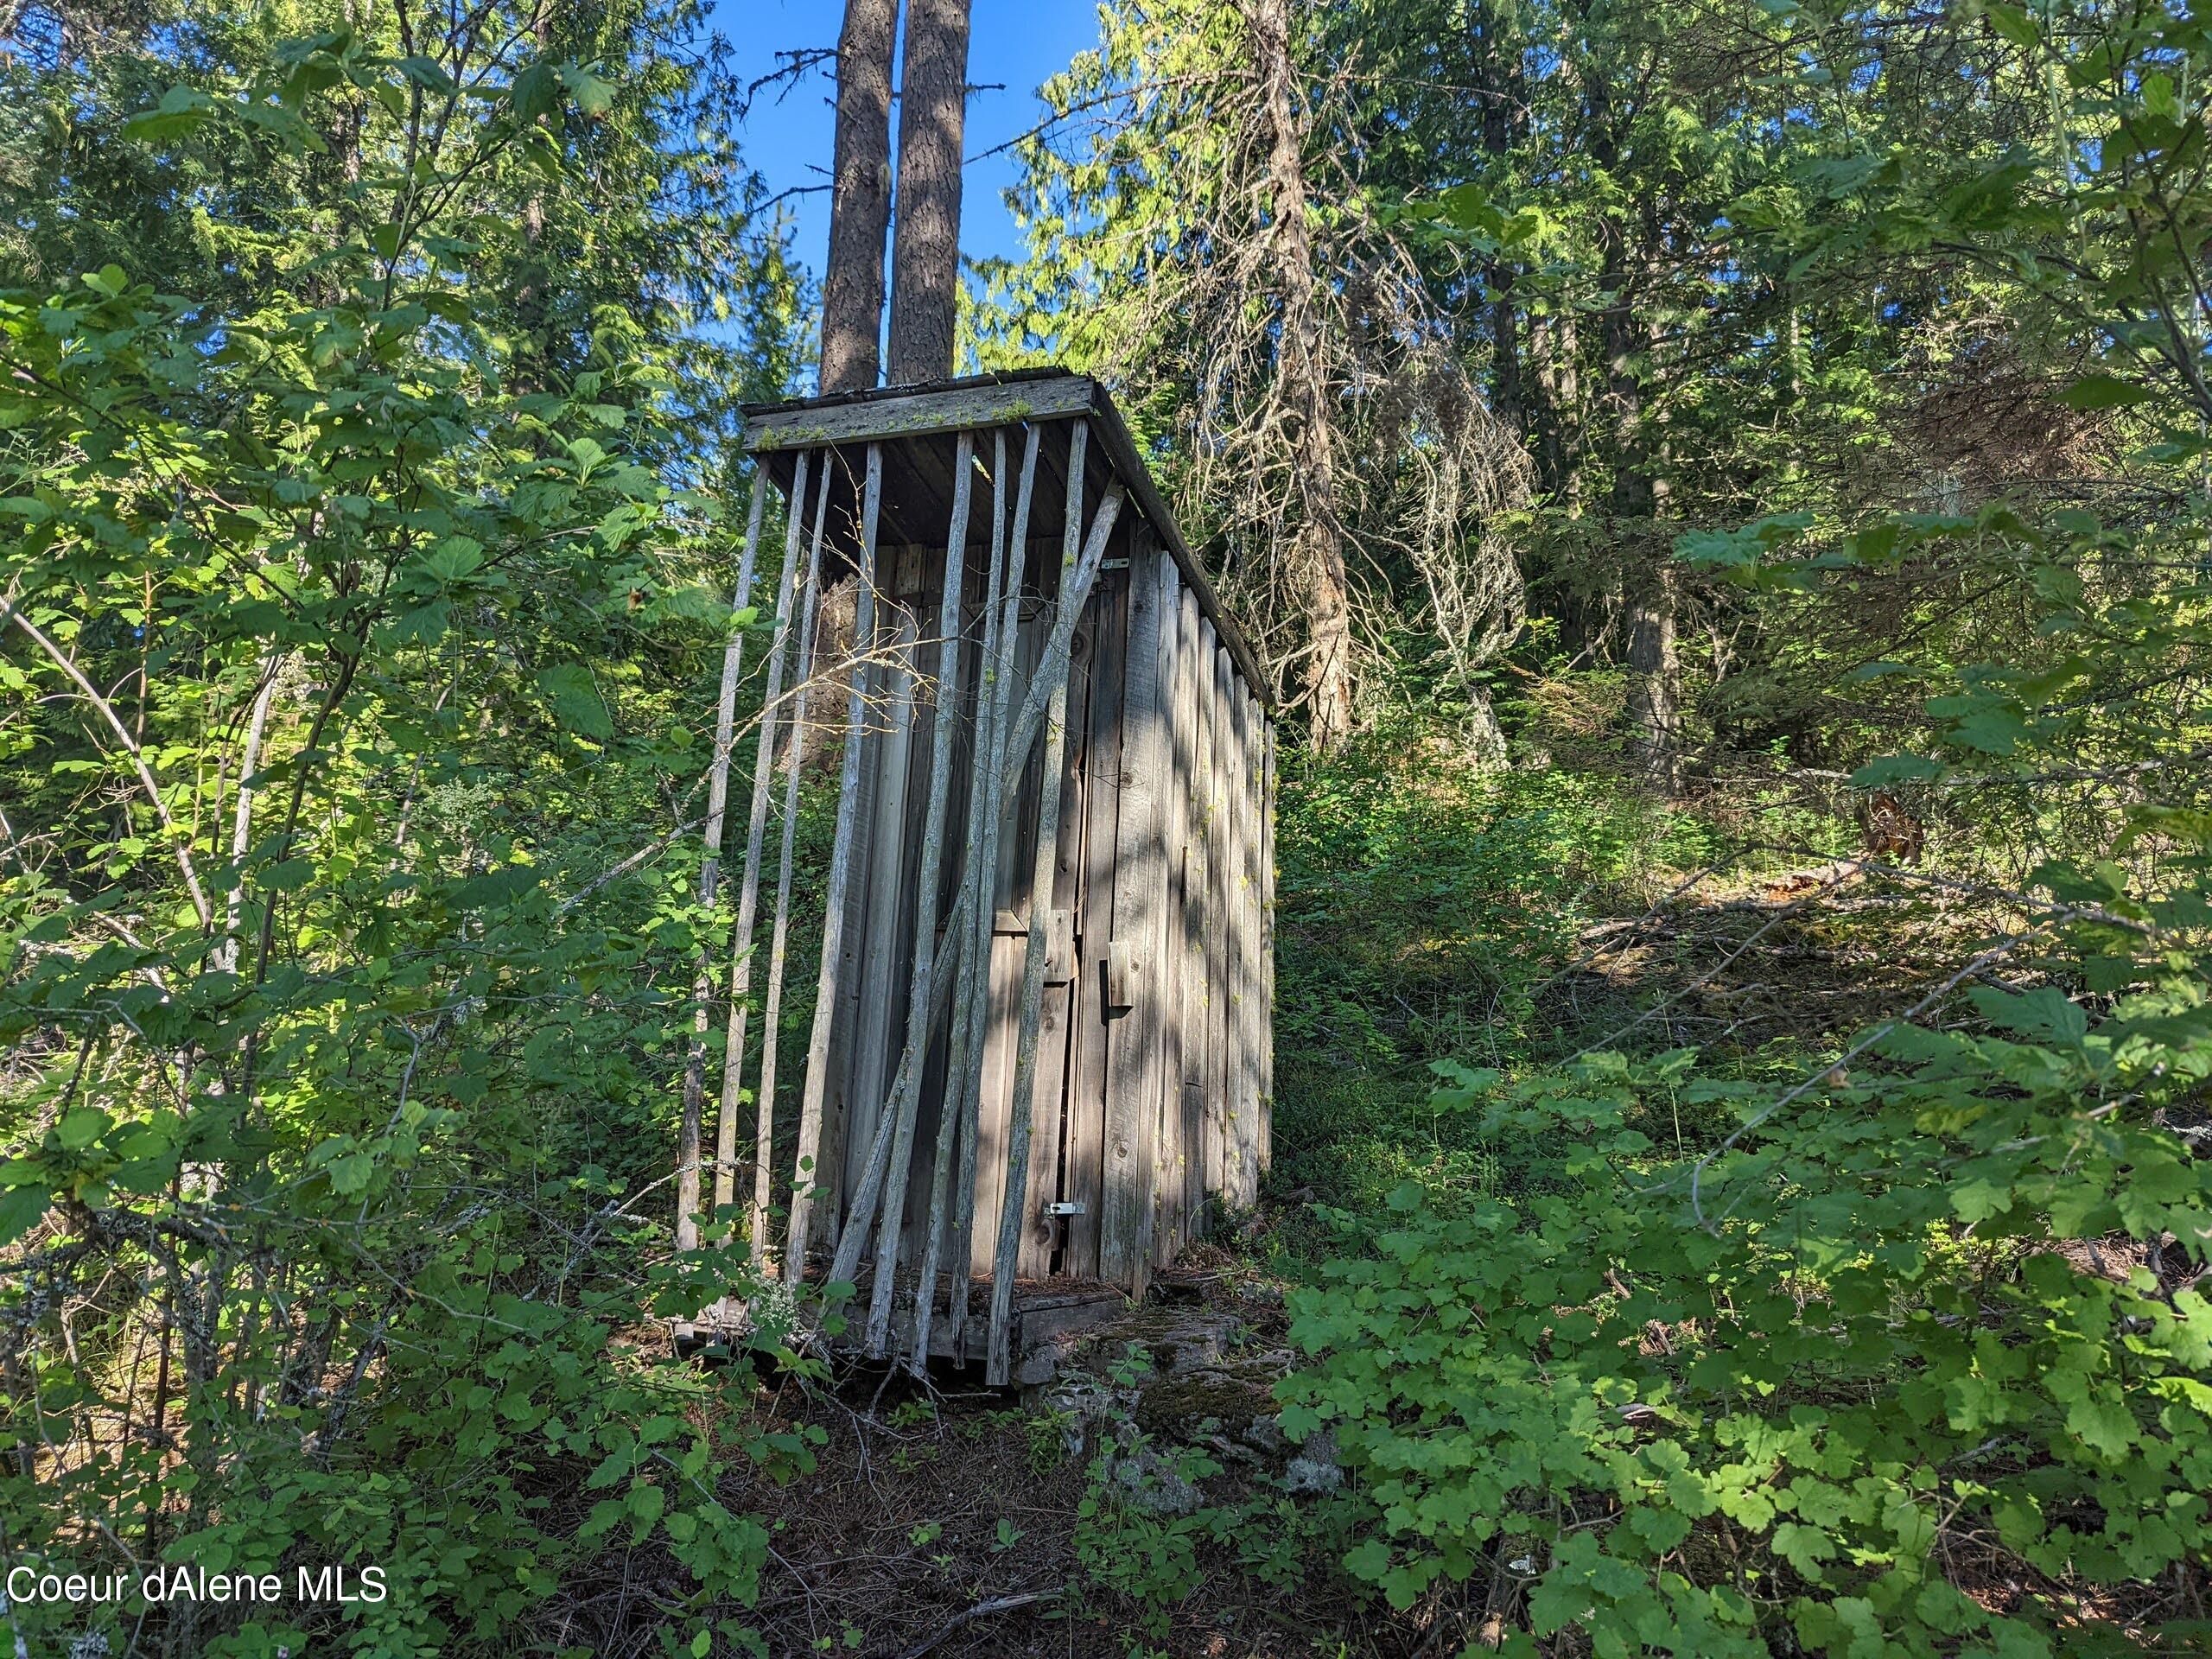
(987, 1609)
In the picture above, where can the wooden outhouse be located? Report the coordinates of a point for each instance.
(1040, 1036)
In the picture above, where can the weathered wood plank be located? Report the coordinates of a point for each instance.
(833, 1171)
(1079, 570)
(1083, 1154)
(764, 1135)
(1244, 1107)
(1176, 1142)
(1196, 679)
(804, 1175)
(926, 892)
(695, 1063)
(1134, 1044)
(739, 1013)
(1218, 683)
(994, 1079)
(803, 426)
(1063, 988)
(1268, 953)
(893, 721)
(985, 1073)
(1168, 1090)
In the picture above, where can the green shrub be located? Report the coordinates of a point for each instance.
(1739, 1369)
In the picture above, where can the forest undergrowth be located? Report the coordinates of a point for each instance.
(1738, 578)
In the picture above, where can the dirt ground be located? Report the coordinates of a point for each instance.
(943, 1518)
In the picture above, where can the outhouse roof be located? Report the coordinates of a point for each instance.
(917, 427)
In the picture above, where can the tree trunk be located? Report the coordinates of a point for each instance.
(1655, 695)
(1500, 92)
(1648, 585)
(925, 244)
(1318, 550)
(860, 201)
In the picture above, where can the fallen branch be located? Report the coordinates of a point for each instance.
(994, 1606)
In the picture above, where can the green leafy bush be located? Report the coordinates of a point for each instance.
(347, 614)
(1910, 1357)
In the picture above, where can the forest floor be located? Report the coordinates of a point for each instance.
(953, 1518)
(1144, 1504)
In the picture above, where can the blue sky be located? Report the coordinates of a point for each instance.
(1015, 43)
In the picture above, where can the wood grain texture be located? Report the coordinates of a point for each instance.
(1244, 996)
(1011, 856)
(916, 414)
(945, 691)
(1135, 1038)
(1048, 1124)
(833, 973)
(1083, 1154)
(893, 721)
(772, 714)
(764, 1135)
(1267, 948)
(695, 1064)
(1218, 679)
(1172, 1227)
(986, 623)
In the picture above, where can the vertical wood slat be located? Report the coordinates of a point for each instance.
(1218, 679)
(764, 1137)
(1133, 1043)
(918, 595)
(832, 1173)
(756, 829)
(927, 886)
(1268, 946)
(1177, 1141)
(1083, 1156)
(695, 1061)
(873, 1013)
(1245, 1004)
(1048, 1123)
(968, 1087)
(1200, 928)
(1163, 1176)
(994, 1075)
(1194, 935)
(1079, 560)
(997, 1356)
(833, 972)
(986, 1099)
